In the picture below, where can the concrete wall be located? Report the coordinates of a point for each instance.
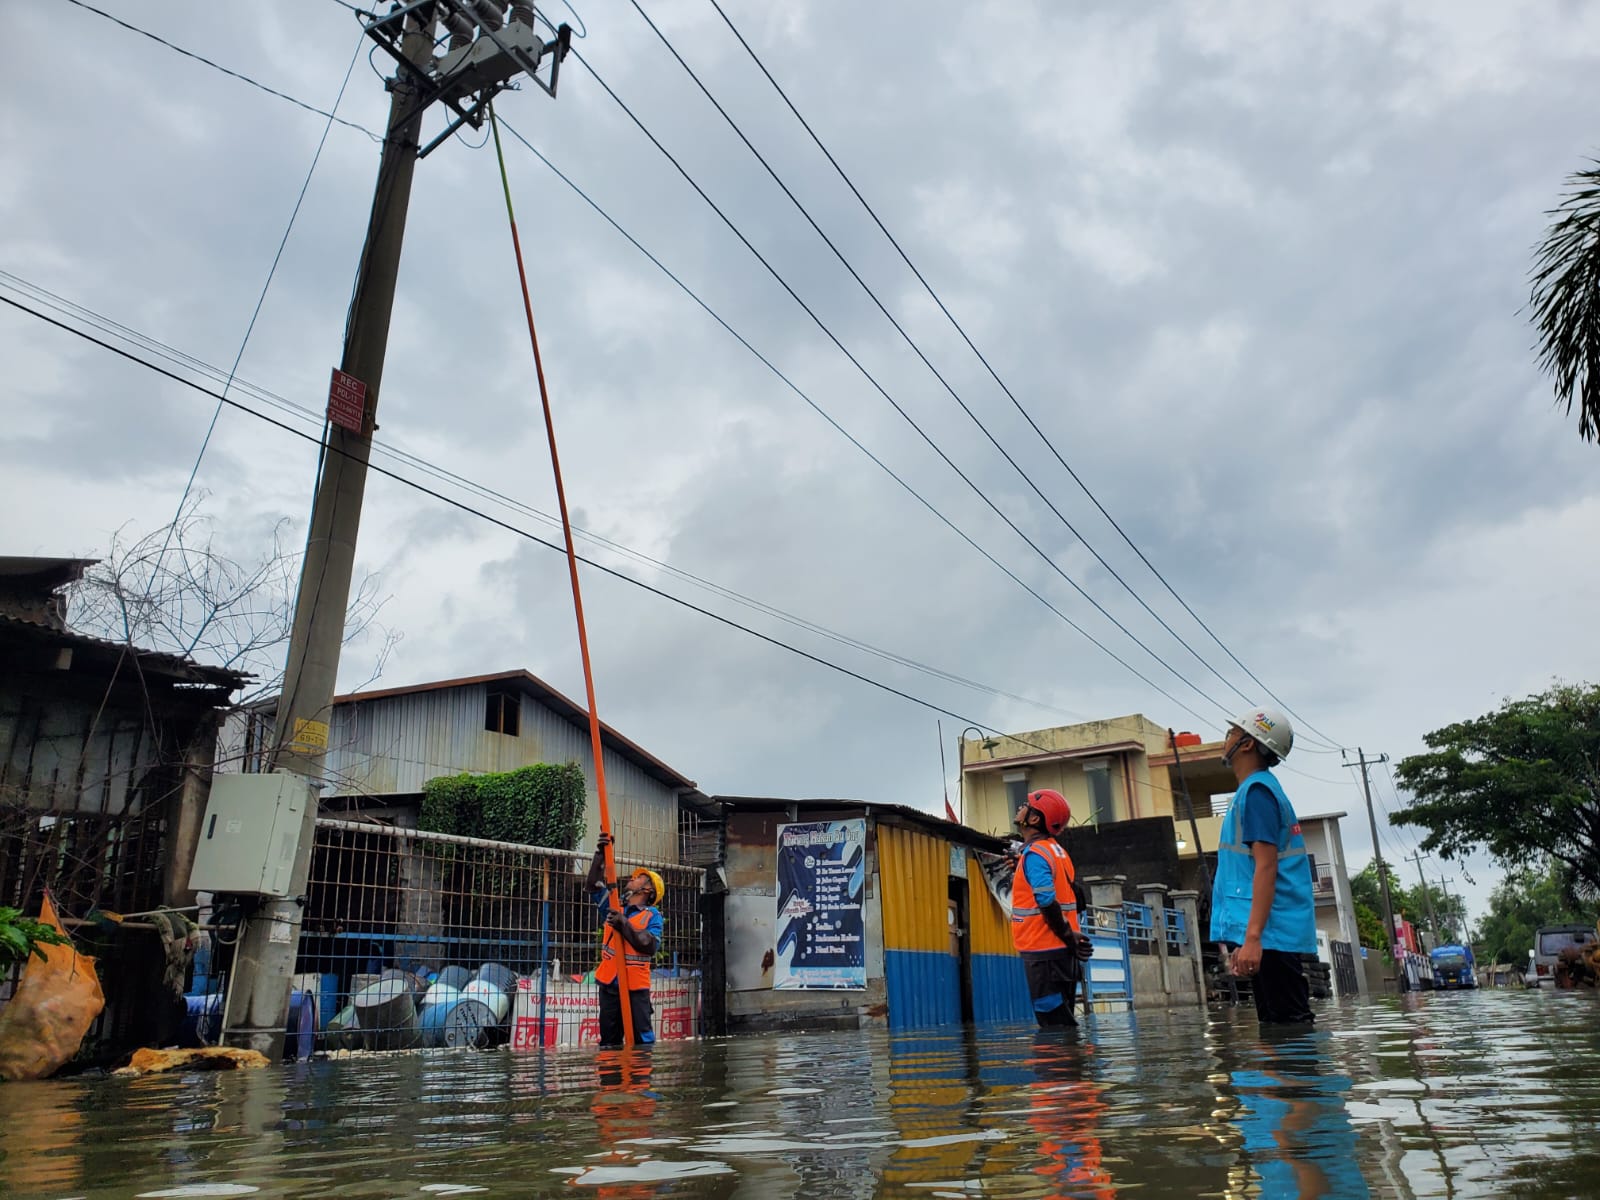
(1178, 986)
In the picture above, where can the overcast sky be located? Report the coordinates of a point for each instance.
(1257, 271)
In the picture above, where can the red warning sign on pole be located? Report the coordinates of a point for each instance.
(347, 401)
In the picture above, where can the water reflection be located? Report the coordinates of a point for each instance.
(1297, 1137)
(1454, 1095)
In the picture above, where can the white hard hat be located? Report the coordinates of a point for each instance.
(1269, 727)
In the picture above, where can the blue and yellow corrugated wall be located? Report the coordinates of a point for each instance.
(999, 989)
(920, 974)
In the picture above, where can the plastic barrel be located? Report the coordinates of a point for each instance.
(490, 996)
(502, 977)
(300, 1032)
(441, 993)
(387, 1014)
(456, 977)
(469, 1024)
(435, 1021)
(201, 1020)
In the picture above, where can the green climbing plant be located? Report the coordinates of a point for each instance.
(540, 805)
(21, 936)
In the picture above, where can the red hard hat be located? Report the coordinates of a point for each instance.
(1053, 807)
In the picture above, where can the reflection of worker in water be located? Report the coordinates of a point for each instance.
(623, 1107)
(1065, 1109)
(633, 935)
(1297, 1135)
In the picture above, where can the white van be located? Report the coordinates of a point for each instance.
(1549, 942)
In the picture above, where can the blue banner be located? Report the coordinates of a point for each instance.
(822, 877)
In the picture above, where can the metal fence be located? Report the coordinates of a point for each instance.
(422, 939)
(1139, 920)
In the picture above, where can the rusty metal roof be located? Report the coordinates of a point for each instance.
(174, 668)
(963, 834)
(541, 691)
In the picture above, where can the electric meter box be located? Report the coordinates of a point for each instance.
(250, 834)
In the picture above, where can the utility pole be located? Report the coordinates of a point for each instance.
(1364, 762)
(485, 53)
(1427, 893)
(1444, 890)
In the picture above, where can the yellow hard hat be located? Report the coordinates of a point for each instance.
(655, 880)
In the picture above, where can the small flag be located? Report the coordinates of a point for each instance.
(949, 813)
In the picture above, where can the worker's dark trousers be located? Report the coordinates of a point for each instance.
(1282, 995)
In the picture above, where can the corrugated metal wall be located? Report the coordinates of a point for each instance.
(395, 744)
(999, 989)
(920, 973)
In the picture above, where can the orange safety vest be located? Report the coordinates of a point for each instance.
(638, 964)
(1029, 933)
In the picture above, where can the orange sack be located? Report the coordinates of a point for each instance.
(57, 999)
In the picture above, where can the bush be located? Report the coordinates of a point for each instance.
(534, 806)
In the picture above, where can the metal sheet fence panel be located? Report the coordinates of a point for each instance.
(421, 939)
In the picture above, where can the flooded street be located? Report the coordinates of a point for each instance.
(1454, 1094)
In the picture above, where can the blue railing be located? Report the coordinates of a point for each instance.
(1139, 921)
(1177, 929)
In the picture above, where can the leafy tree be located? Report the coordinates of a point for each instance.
(1525, 900)
(1566, 300)
(1522, 782)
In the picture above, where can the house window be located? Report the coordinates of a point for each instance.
(1097, 775)
(1016, 790)
(502, 713)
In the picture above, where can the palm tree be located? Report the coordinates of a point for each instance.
(1566, 300)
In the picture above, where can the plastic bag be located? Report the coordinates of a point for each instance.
(57, 999)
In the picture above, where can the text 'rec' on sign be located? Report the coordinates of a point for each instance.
(347, 402)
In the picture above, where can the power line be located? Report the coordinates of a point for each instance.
(522, 533)
(934, 295)
(927, 362)
(1115, 657)
(823, 413)
(266, 286)
(106, 324)
(871, 379)
(215, 66)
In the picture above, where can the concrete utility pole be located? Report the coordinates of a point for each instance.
(1364, 762)
(1427, 893)
(485, 53)
(1444, 890)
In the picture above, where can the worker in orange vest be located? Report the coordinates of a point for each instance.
(633, 934)
(1044, 910)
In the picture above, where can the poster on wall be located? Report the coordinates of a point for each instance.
(822, 878)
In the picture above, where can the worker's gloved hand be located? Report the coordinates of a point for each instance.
(604, 840)
(1083, 947)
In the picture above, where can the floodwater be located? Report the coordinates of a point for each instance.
(1494, 1093)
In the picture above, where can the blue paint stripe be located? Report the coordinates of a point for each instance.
(924, 988)
(999, 989)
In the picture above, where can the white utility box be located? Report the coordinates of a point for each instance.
(250, 833)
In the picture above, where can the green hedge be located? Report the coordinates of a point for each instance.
(534, 806)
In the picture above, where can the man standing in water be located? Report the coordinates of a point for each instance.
(1261, 902)
(632, 936)
(1044, 910)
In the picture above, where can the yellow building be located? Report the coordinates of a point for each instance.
(1123, 769)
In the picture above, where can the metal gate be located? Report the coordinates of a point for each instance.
(1108, 982)
(1344, 969)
